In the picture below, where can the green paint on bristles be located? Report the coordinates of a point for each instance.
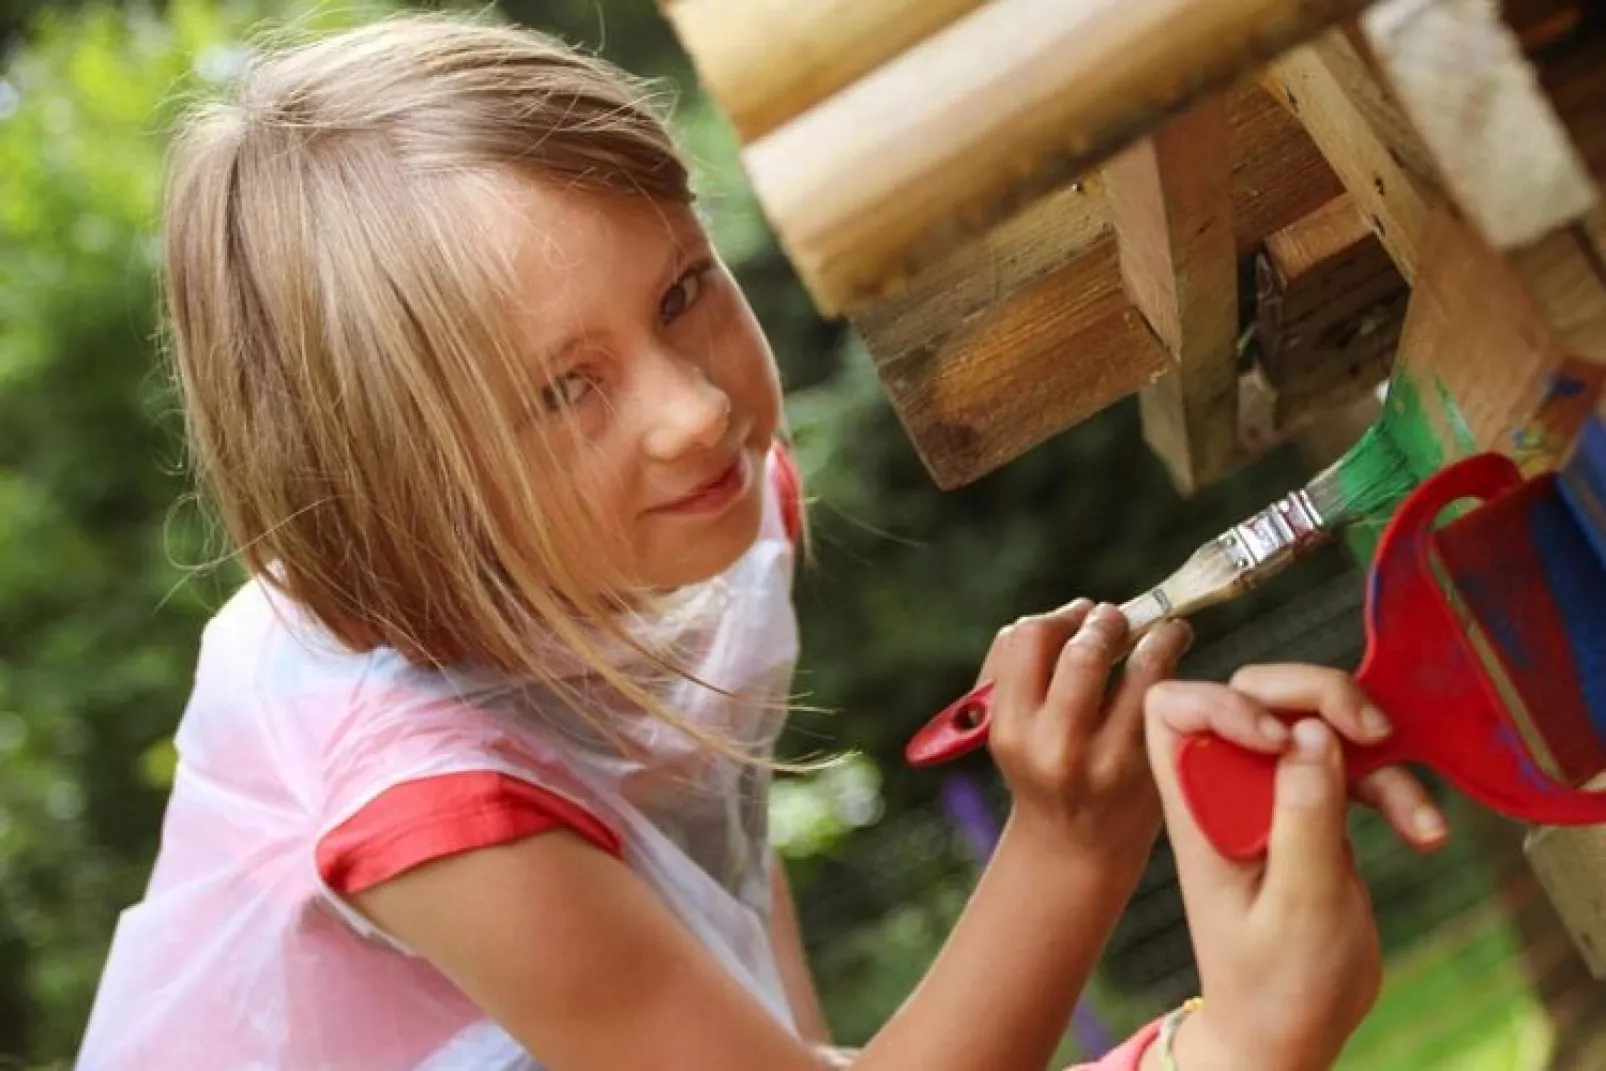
(1407, 443)
(1368, 481)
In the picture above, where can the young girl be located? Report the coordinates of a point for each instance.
(474, 772)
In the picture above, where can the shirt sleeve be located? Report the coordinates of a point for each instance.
(1127, 1057)
(430, 818)
(788, 487)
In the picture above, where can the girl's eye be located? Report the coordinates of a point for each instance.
(565, 392)
(684, 293)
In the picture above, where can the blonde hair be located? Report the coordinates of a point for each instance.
(335, 304)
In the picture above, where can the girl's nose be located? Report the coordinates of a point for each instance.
(687, 411)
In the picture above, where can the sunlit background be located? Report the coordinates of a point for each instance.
(105, 583)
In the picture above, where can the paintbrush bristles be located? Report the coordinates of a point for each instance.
(1370, 479)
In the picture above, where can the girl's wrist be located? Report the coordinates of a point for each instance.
(1121, 860)
(1187, 1042)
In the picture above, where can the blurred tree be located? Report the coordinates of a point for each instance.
(100, 614)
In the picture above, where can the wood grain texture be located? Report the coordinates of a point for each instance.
(988, 114)
(1278, 175)
(1330, 304)
(1367, 140)
(767, 61)
(1170, 202)
(1052, 355)
(1458, 70)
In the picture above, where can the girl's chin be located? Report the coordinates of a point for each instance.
(698, 552)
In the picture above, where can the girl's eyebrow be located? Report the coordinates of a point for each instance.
(681, 251)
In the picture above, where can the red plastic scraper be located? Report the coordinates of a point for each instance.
(1516, 628)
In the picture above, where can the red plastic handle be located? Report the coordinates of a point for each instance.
(1420, 668)
(958, 729)
(1232, 791)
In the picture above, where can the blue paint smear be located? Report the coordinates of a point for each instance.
(1588, 463)
(1508, 738)
(1577, 582)
(1486, 597)
(1563, 386)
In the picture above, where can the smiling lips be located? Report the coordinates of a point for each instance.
(713, 495)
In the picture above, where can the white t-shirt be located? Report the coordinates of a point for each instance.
(300, 761)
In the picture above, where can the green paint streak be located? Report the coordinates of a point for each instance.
(1425, 427)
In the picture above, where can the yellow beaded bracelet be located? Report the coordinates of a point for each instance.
(1168, 1030)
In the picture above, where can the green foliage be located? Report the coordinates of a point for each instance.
(100, 615)
(98, 619)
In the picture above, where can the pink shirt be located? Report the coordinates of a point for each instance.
(308, 772)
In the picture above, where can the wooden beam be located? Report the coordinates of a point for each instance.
(767, 61)
(1366, 139)
(1329, 307)
(1170, 202)
(1277, 176)
(1051, 356)
(1458, 70)
(981, 118)
(1566, 42)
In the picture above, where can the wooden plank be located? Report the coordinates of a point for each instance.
(1366, 139)
(1051, 356)
(941, 145)
(1170, 202)
(1458, 70)
(1278, 176)
(1566, 42)
(1049, 233)
(1329, 307)
(767, 61)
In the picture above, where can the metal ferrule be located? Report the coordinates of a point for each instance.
(1270, 539)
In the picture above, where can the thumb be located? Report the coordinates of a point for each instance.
(1308, 856)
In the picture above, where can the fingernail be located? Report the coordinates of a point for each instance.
(1375, 723)
(1310, 740)
(1429, 823)
(1105, 612)
(1273, 729)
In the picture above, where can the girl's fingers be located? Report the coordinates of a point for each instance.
(1021, 665)
(1309, 863)
(1331, 693)
(1215, 890)
(1200, 706)
(1403, 801)
(1075, 700)
(1151, 661)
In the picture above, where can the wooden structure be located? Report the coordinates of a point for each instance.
(1248, 212)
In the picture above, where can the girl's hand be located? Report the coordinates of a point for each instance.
(1242, 712)
(1287, 948)
(1073, 759)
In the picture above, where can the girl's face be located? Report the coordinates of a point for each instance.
(649, 393)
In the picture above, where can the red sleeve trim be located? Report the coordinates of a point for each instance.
(789, 489)
(418, 821)
(1129, 1056)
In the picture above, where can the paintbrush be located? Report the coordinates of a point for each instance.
(1365, 484)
